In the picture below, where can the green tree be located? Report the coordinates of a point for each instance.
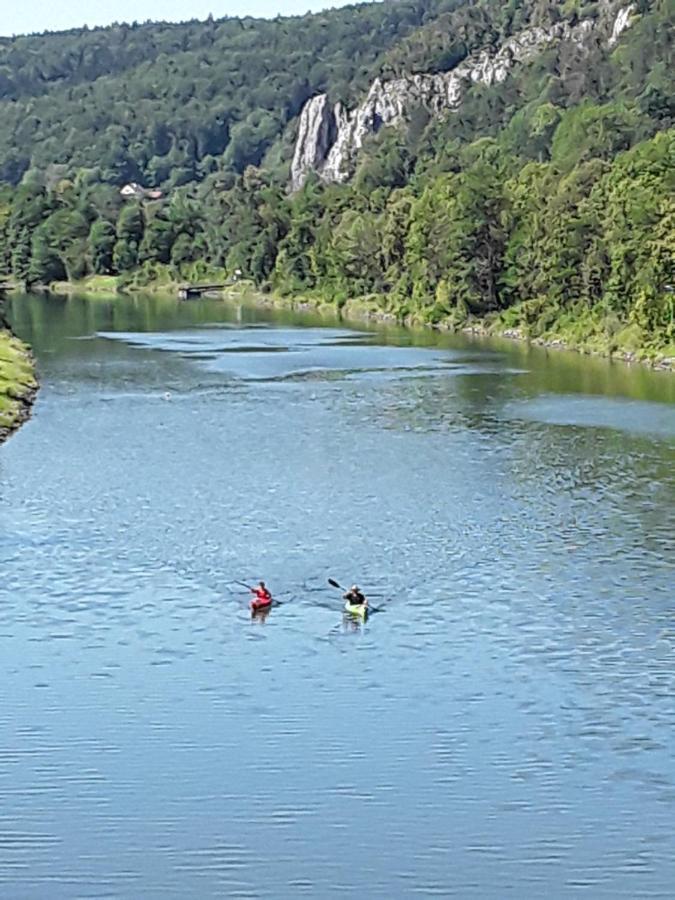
(100, 246)
(130, 226)
(45, 263)
(158, 239)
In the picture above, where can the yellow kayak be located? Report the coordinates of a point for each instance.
(357, 609)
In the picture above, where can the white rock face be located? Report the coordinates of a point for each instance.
(315, 135)
(329, 140)
(621, 22)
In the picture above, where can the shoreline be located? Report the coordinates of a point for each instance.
(18, 384)
(356, 310)
(368, 310)
(660, 362)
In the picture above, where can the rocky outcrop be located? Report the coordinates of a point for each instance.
(329, 138)
(621, 23)
(315, 136)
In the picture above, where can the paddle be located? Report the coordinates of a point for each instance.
(247, 586)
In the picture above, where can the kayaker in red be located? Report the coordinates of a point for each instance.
(355, 596)
(262, 595)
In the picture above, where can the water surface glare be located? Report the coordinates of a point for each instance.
(504, 726)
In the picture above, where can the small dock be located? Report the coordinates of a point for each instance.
(188, 291)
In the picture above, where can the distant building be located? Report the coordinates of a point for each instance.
(132, 191)
(135, 191)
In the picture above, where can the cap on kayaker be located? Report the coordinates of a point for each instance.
(354, 587)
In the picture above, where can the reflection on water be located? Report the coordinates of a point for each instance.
(503, 725)
(657, 419)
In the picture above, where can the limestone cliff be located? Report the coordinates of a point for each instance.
(315, 136)
(329, 138)
(621, 22)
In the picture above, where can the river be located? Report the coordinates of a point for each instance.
(502, 726)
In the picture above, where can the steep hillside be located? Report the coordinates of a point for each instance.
(330, 136)
(166, 104)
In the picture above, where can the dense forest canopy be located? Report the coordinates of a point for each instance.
(545, 200)
(161, 103)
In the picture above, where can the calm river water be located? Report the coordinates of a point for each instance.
(503, 727)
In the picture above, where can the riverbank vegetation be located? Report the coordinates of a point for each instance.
(18, 383)
(542, 207)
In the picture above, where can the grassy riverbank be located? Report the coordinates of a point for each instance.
(151, 278)
(109, 285)
(18, 383)
(585, 331)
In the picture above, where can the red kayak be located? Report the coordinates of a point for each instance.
(260, 604)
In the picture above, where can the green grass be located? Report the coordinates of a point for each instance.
(148, 278)
(93, 284)
(17, 382)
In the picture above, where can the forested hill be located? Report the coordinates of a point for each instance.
(168, 103)
(509, 160)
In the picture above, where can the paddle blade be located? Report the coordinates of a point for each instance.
(334, 584)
